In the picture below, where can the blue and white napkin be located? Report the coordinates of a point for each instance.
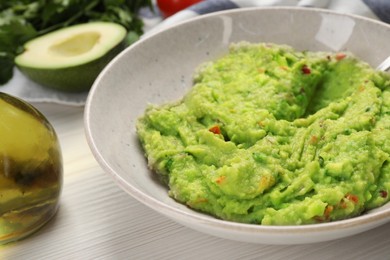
(23, 88)
(375, 9)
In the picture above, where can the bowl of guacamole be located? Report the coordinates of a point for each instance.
(239, 126)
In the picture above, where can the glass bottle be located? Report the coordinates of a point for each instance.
(31, 169)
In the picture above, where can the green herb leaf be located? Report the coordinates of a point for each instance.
(6, 65)
(22, 20)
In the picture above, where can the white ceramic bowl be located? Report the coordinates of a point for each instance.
(159, 68)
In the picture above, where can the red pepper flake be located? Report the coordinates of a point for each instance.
(383, 193)
(343, 205)
(326, 215)
(353, 198)
(220, 179)
(305, 70)
(313, 139)
(327, 211)
(215, 129)
(340, 56)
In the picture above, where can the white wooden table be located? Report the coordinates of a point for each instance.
(97, 220)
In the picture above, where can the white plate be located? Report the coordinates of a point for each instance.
(159, 68)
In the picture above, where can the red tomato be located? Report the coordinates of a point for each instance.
(170, 7)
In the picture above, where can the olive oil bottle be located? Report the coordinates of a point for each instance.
(31, 169)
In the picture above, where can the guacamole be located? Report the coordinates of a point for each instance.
(273, 136)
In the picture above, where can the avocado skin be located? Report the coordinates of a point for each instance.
(72, 79)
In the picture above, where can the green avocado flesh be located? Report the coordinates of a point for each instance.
(70, 59)
(273, 136)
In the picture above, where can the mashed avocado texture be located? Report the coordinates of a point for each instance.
(269, 135)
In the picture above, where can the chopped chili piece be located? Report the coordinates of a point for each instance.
(328, 210)
(313, 139)
(306, 70)
(215, 129)
(340, 56)
(383, 193)
(220, 179)
(353, 198)
(343, 205)
(326, 215)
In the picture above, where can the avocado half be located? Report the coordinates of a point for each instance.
(70, 59)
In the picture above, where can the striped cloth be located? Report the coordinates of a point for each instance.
(375, 9)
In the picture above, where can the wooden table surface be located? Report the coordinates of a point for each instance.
(97, 220)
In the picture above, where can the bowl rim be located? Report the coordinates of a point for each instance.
(365, 219)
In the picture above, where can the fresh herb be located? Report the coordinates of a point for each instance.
(22, 20)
